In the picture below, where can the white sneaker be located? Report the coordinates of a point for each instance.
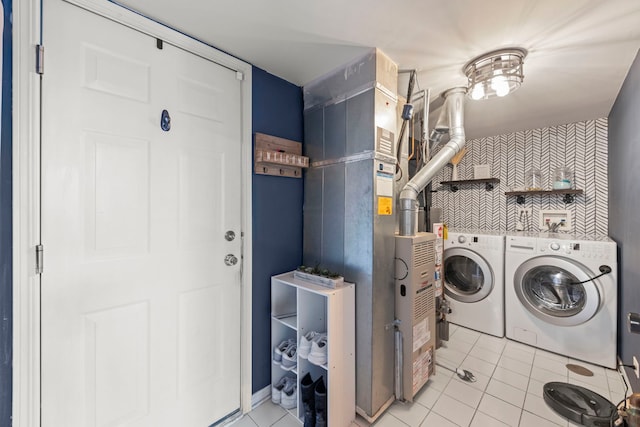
(281, 348)
(318, 353)
(305, 343)
(289, 399)
(290, 357)
(276, 390)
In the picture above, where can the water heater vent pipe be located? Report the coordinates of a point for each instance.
(454, 108)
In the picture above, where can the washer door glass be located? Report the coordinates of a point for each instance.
(549, 289)
(552, 291)
(468, 277)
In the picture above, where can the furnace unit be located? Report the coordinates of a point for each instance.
(415, 312)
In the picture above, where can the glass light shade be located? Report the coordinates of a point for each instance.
(496, 73)
(477, 92)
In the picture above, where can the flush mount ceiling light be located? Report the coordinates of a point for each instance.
(495, 73)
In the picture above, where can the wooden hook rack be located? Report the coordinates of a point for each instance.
(278, 156)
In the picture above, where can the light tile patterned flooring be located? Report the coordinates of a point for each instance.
(508, 390)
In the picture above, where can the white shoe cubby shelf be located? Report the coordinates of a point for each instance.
(299, 307)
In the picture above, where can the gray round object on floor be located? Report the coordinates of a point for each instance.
(579, 404)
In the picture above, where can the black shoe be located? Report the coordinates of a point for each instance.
(307, 387)
(321, 403)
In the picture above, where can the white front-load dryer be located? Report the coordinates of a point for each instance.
(473, 276)
(561, 295)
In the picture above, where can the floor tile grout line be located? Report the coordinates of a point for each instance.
(399, 419)
(498, 397)
(511, 370)
(521, 408)
(539, 416)
(446, 416)
(286, 413)
(491, 416)
(484, 391)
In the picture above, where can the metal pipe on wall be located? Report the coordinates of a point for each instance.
(454, 110)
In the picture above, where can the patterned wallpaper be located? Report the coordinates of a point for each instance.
(582, 147)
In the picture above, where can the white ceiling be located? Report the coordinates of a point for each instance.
(579, 50)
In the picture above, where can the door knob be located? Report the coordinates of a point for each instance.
(230, 259)
(229, 235)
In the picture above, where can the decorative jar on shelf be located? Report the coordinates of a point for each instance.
(533, 180)
(562, 178)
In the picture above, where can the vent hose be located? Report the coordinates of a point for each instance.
(454, 110)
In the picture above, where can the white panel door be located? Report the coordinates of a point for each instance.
(140, 313)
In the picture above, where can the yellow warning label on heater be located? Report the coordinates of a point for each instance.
(385, 206)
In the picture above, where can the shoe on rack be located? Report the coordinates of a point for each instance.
(320, 395)
(305, 343)
(307, 390)
(289, 398)
(318, 353)
(290, 357)
(276, 390)
(281, 348)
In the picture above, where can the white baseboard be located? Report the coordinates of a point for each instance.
(260, 396)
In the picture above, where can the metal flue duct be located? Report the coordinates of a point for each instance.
(454, 110)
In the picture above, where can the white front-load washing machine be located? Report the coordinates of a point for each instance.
(473, 277)
(561, 295)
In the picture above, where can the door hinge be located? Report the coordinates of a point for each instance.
(39, 259)
(239, 75)
(39, 59)
(241, 255)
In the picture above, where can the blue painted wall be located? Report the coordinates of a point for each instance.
(624, 204)
(5, 226)
(277, 212)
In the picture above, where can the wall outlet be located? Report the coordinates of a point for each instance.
(636, 368)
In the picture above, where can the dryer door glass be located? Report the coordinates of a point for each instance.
(552, 291)
(468, 277)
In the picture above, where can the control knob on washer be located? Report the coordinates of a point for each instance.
(554, 246)
(462, 239)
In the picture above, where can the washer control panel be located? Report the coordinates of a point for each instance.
(559, 248)
(583, 250)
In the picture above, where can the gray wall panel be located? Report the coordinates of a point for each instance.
(358, 262)
(333, 222)
(314, 134)
(361, 123)
(335, 131)
(383, 305)
(312, 217)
